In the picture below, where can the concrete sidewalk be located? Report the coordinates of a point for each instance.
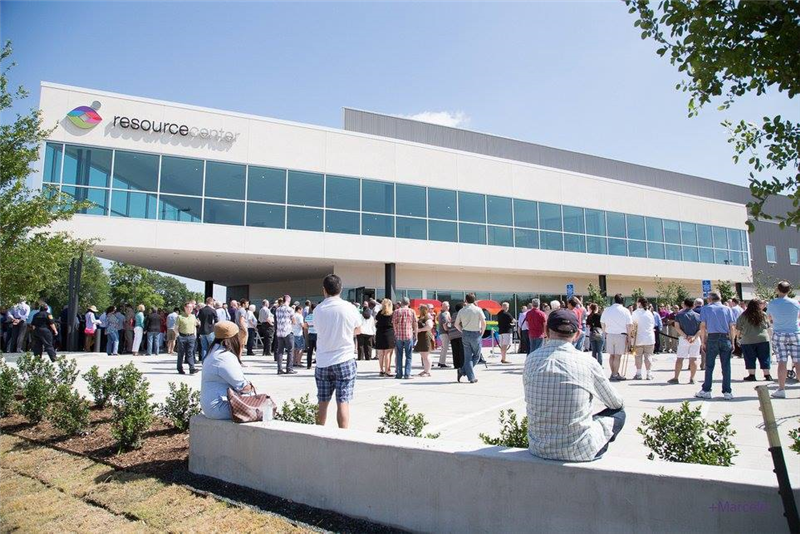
(460, 411)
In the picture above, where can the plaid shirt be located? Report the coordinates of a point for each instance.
(560, 383)
(403, 321)
(283, 321)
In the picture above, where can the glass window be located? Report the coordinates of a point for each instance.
(305, 189)
(772, 256)
(690, 254)
(552, 241)
(706, 255)
(596, 245)
(377, 197)
(672, 232)
(704, 236)
(139, 205)
(135, 171)
(266, 215)
(617, 247)
(342, 222)
(472, 233)
(441, 204)
(793, 259)
(98, 198)
(224, 211)
(688, 233)
(616, 225)
(526, 214)
(471, 207)
(737, 258)
(500, 236)
(442, 231)
(526, 238)
(734, 242)
(595, 222)
(181, 175)
(411, 200)
(743, 239)
(87, 166)
(637, 249)
(673, 252)
(635, 227)
(573, 220)
(721, 257)
(266, 184)
(342, 193)
(498, 210)
(304, 218)
(656, 251)
(52, 163)
(382, 225)
(411, 228)
(225, 180)
(655, 230)
(171, 208)
(549, 217)
(720, 237)
(573, 242)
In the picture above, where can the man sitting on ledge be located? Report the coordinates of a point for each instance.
(560, 383)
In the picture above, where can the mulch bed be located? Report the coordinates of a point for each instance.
(165, 455)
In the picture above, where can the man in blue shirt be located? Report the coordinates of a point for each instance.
(784, 312)
(716, 330)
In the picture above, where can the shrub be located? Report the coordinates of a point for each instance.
(795, 435)
(66, 371)
(28, 365)
(69, 412)
(103, 387)
(133, 413)
(9, 384)
(512, 432)
(181, 404)
(397, 419)
(684, 436)
(299, 411)
(38, 377)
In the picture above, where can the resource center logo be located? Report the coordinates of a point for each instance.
(85, 117)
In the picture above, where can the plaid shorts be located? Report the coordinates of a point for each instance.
(786, 346)
(341, 377)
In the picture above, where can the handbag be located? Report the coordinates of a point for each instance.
(251, 408)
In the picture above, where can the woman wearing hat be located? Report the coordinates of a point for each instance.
(222, 370)
(90, 329)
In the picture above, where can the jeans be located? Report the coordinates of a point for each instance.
(112, 345)
(524, 342)
(597, 349)
(152, 343)
(718, 344)
(205, 341)
(756, 351)
(402, 347)
(472, 352)
(251, 340)
(536, 343)
(619, 421)
(186, 351)
(285, 344)
(310, 346)
(579, 341)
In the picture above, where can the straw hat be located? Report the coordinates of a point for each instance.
(93, 308)
(225, 330)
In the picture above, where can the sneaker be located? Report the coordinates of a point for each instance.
(444, 366)
(291, 372)
(474, 381)
(768, 378)
(749, 378)
(673, 381)
(614, 378)
(703, 394)
(637, 376)
(779, 394)
(194, 371)
(691, 380)
(650, 376)
(621, 378)
(727, 396)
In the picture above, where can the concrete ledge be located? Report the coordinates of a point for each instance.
(431, 486)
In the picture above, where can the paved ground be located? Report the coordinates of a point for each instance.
(460, 410)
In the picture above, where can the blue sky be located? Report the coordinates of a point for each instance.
(572, 75)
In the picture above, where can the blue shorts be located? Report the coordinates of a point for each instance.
(340, 377)
(299, 343)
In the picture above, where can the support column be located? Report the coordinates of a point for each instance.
(209, 288)
(603, 285)
(76, 271)
(739, 290)
(390, 280)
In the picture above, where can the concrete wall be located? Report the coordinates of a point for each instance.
(431, 486)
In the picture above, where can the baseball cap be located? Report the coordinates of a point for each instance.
(562, 321)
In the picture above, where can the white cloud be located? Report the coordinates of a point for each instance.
(455, 119)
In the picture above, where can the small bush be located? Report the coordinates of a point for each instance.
(512, 432)
(103, 387)
(28, 365)
(133, 413)
(795, 435)
(181, 404)
(299, 411)
(38, 377)
(684, 436)
(397, 419)
(66, 371)
(69, 412)
(9, 384)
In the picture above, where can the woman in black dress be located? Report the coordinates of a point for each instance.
(384, 337)
(456, 343)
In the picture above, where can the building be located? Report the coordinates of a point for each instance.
(266, 206)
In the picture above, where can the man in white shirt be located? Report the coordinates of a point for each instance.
(337, 323)
(645, 323)
(617, 324)
(266, 327)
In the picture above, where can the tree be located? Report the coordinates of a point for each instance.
(173, 291)
(728, 49)
(725, 290)
(31, 255)
(593, 294)
(670, 293)
(765, 286)
(94, 290)
(133, 285)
